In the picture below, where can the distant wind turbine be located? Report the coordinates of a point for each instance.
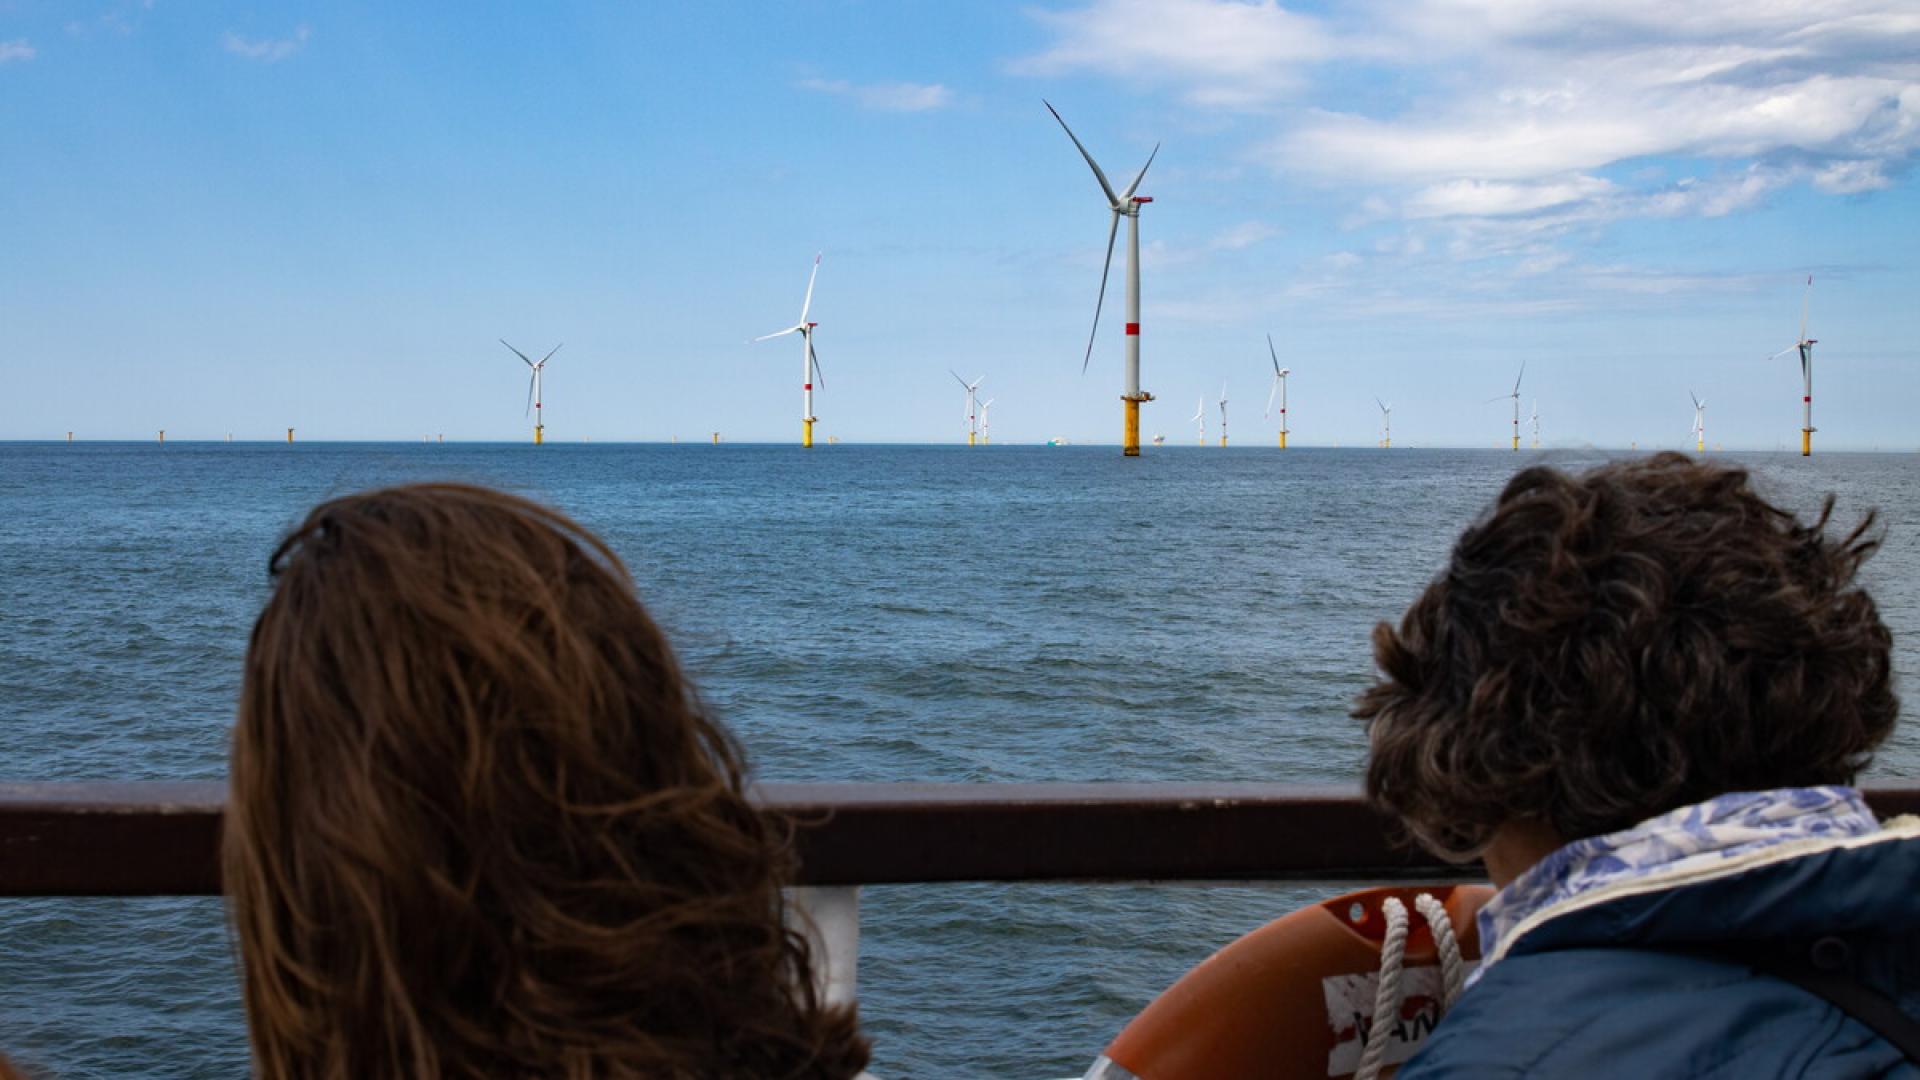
(1126, 204)
(973, 411)
(1805, 345)
(1536, 423)
(1279, 388)
(1223, 414)
(986, 422)
(533, 391)
(1515, 395)
(1699, 423)
(1386, 423)
(809, 362)
(1200, 414)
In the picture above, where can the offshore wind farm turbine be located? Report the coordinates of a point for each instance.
(1126, 204)
(1515, 395)
(1805, 345)
(533, 392)
(1280, 388)
(973, 411)
(1386, 423)
(1536, 423)
(1699, 423)
(986, 422)
(1223, 414)
(1200, 414)
(809, 362)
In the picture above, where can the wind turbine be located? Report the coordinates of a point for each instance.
(1126, 204)
(1515, 395)
(1386, 423)
(1200, 414)
(973, 412)
(1805, 345)
(809, 363)
(1223, 414)
(1699, 423)
(533, 391)
(986, 423)
(1280, 388)
(1536, 423)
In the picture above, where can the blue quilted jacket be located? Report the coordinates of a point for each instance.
(1625, 982)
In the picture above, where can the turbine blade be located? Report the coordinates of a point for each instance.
(814, 359)
(1112, 199)
(1113, 232)
(958, 379)
(775, 334)
(1274, 354)
(807, 304)
(1135, 186)
(1695, 397)
(1271, 394)
(1806, 300)
(517, 352)
(1783, 352)
(1516, 381)
(529, 411)
(549, 356)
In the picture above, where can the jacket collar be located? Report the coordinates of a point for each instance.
(1727, 836)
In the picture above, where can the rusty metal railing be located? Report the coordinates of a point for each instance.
(150, 839)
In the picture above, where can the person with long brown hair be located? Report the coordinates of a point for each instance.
(480, 825)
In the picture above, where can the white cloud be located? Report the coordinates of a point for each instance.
(1244, 235)
(1508, 123)
(887, 97)
(1223, 53)
(18, 49)
(266, 50)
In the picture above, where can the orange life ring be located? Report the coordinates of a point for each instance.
(1295, 997)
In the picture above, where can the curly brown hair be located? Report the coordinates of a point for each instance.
(1605, 647)
(480, 826)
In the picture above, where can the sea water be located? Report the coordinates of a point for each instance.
(855, 613)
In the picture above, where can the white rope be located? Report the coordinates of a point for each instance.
(1453, 970)
(1387, 997)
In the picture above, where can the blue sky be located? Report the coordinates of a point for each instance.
(235, 218)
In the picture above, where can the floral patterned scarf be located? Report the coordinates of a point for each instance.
(1690, 838)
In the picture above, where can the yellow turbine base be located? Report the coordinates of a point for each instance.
(1283, 440)
(1700, 446)
(539, 434)
(1516, 442)
(1223, 440)
(1130, 427)
(1806, 442)
(972, 438)
(806, 432)
(289, 436)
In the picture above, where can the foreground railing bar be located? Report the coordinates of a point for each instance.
(162, 839)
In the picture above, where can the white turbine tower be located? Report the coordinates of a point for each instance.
(533, 392)
(1126, 204)
(986, 422)
(1699, 432)
(1200, 414)
(1805, 345)
(1280, 389)
(1536, 423)
(973, 411)
(1515, 395)
(809, 363)
(1386, 423)
(1223, 414)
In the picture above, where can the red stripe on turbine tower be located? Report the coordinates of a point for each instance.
(1133, 328)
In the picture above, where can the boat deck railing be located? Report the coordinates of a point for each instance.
(162, 839)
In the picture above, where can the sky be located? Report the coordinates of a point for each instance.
(234, 218)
